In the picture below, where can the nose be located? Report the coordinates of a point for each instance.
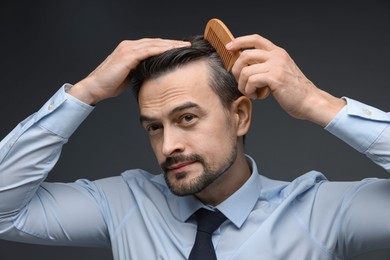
(173, 142)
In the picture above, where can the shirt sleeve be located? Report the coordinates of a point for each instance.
(359, 210)
(38, 212)
(366, 129)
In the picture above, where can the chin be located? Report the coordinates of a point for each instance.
(183, 185)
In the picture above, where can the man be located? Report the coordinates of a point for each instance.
(196, 121)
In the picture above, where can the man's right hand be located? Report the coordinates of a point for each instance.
(110, 78)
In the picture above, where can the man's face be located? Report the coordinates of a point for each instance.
(191, 133)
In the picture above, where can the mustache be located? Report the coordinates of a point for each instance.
(179, 159)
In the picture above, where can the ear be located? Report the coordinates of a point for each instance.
(242, 110)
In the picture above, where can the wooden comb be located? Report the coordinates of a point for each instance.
(218, 35)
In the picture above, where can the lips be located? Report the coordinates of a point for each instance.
(180, 162)
(180, 166)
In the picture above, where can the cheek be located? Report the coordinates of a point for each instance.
(217, 140)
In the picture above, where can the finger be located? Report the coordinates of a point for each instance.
(158, 42)
(147, 47)
(263, 92)
(249, 57)
(252, 77)
(257, 87)
(250, 41)
(154, 48)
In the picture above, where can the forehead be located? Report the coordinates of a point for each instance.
(189, 83)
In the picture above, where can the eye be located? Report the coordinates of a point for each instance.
(153, 128)
(187, 119)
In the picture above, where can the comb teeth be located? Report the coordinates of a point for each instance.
(218, 36)
(224, 54)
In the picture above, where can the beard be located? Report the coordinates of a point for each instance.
(179, 187)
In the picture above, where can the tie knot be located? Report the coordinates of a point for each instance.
(208, 221)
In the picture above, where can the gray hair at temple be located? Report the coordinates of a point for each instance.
(222, 82)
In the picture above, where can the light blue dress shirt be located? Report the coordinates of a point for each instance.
(139, 218)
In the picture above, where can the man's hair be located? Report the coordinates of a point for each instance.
(221, 81)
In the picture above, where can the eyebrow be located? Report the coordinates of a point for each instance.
(177, 109)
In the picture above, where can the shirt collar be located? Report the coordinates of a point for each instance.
(236, 208)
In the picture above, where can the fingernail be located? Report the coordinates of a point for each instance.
(229, 45)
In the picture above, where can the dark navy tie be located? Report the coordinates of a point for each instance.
(208, 221)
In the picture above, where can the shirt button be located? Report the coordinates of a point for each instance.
(367, 112)
(50, 107)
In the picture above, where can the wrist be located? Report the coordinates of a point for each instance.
(323, 107)
(82, 93)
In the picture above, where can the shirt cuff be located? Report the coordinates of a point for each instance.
(62, 114)
(358, 124)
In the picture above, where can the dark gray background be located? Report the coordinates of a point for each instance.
(343, 47)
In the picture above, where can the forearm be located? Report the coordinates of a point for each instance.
(32, 210)
(31, 150)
